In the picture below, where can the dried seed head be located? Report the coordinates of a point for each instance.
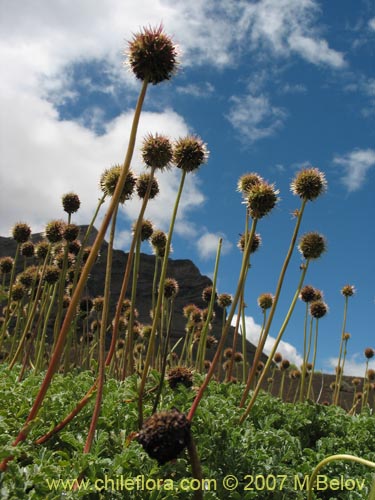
(158, 242)
(41, 250)
(295, 374)
(224, 300)
(348, 290)
(207, 294)
(312, 245)
(110, 178)
(369, 352)
(238, 357)
(346, 336)
(265, 301)
(71, 203)
(255, 244)
(157, 151)
(260, 366)
(210, 341)
(74, 247)
(190, 153)
(28, 276)
(18, 292)
(228, 352)
(307, 293)
(170, 288)
(278, 357)
(85, 305)
(152, 55)
(180, 375)
(98, 303)
(285, 363)
(370, 374)
(165, 435)
(142, 184)
(147, 229)
(309, 183)
(54, 231)
(51, 274)
(66, 301)
(247, 181)
(6, 265)
(21, 232)
(28, 249)
(318, 309)
(207, 364)
(261, 199)
(356, 381)
(70, 232)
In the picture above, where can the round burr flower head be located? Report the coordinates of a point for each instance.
(224, 300)
(180, 375)
(285, 363)
(318, 309)
(265, 301)
(54, 231)
(51, 274)
(71, 232)
(18, 292)
(312, 245)
(207, 293)
(142, 184)
(152, 55)
(261, 199)
(21, 232)
(6, 265)
(369, 352)
(147, 229)
(109, 180)
(70, 203)
(41, 249)
(309, 183)
(74, 247)
(190, 153)
(346, 336)
(158, 242)
(28, 249)
(170, 288)
(255, 244)
(307, 293)
(157, 151)
(348, 290)
(165, 435)
(278, 357)
(247, 181)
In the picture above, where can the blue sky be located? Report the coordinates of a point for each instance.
(270, 86)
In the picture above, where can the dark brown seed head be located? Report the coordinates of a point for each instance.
(98, 303)
(285, 364)
(207, 294)
(261, 199)
(51, 274)
(6, 265)
(370, 374)
(318, 309)
(170, 288)
(165, 435)
(265, 301)
(228, 352)
(21, 232)
(142, 184)
(307, 293)
(348, 290)
(224, 300)
(71, 203)
(189, 153)
(18, 291)
(152, 55)
(28, 249)
(346, 336)
(54, 231)
(247, 181)
(369, 352)
(74, 247)
(28, 276)
(180, 375)
(356, 381)
(255, 244)
(110, 178)
(309, 183)
(312, 245)
(278, 357)
(41, 250)
(158, 242)
(147, 229)
(86, 305)
(157, 151)
(238, 357)
(70, 232)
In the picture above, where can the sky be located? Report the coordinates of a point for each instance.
(271, 86)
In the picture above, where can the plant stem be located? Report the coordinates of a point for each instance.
(314, 359)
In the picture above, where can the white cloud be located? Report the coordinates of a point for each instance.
(356, 165)
(355, 365)
(316, 51)
(254, 117)
(371, 24)
(207, 245)
(195, 90)
(287, 350)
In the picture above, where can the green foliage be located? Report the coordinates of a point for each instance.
(277, 440)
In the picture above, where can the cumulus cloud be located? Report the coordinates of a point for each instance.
(356, 165)
(355, 366)
(287, 350)
(207, 245)
(254, 117)
(371, 24)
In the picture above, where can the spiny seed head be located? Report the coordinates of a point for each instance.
(28, 276)
(318, 309)
(255, 244)
(74, 247)
(224, 300)
(28, 249)
(369, 352)
(370, 374)
(228, 352)
(207, 294)
(210, 341)
(110, 178)
(6, 265)
(189, 153)
(70, 203)
(265, 301)
(260, 366)
(307, 293)
(261, 199)
(165, 435)
(158, 242)
(285, 363)
(180, 375)
(85, 305)
(356, 381)
(152, 55)
(278, 357)
(70, 232)
(157, 151)
(188, 309)
(309, 183)
(346, 336)
(98, 303)
(295, 374)
(54, 231)
(247, 181)
(18, 291)
(147, 229)
(348, 290)
(41, 250)
(312, 245)
(51, 274)
(142, 184)
(238, 357)
(66, 301)
(21, 232)
(170, 288)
